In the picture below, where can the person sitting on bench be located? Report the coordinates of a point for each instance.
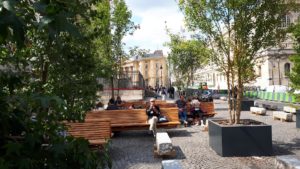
(111, 105)
(153, 113)
(197, 112)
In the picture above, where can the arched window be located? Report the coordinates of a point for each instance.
(259, 71)
(287, 68)
(285, 21)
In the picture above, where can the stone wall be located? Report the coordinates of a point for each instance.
(125, 95)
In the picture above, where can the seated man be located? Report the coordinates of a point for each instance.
(181, 104)
(153, 113)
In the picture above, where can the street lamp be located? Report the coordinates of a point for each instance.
(161, 75)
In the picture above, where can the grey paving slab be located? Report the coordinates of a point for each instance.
(134, 149)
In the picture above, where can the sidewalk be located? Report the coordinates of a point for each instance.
(134, 149)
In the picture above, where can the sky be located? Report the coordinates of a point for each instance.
(153, 16)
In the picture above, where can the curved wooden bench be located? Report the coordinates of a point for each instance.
(96, 131)
(208, 108)
(135, 119)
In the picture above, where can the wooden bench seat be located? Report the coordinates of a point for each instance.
(96, 131)
(208, 108)
(134, 119)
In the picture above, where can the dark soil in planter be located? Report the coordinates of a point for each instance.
(243, 122)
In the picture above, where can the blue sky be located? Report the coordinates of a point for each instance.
(151, 15)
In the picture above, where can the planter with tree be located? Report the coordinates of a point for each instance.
(237, 32)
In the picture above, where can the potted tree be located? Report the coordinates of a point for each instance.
(237, 31)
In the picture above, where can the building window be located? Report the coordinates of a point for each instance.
(287, 68)
(146, 67)
(285, 21)
(259, 71)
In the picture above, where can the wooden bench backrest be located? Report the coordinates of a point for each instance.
(90, 130)
(143, 104)
(207, 107)
(120, 116)
(171, 113)
(139, 104)
(131, 116)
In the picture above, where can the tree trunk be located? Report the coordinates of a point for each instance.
(239, 97)
(229, 98)
(112, 87)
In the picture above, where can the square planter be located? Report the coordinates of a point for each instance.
(240, 140)
(246, 104)
(298, 119)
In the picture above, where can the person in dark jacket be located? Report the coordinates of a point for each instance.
(153, 113)
(111, 105)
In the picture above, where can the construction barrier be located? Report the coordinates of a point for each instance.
(271, 96)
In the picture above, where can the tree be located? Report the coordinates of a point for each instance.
(136, 51)
(186, 57)
(120, 25)
(294, 76)
(236, 31)
(48, 74)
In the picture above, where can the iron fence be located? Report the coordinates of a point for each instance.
(125, 80)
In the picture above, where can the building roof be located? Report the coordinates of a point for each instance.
(155, 54)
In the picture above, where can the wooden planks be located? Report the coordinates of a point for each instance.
(208, 109)
(97, 132)
(134, 119)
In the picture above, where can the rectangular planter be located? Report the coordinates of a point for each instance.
(240, 140)
(298, 119)
(245, 105)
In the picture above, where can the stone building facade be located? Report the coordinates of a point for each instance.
(153, 68)
(271, 68)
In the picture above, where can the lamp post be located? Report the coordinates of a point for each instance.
(161, 75)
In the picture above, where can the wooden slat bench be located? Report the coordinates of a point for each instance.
(96, 131)
(135, 119)
(208, 109)
(137, 104)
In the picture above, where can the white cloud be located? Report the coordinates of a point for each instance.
(152, 33)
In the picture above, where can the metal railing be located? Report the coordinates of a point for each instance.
(125, 80)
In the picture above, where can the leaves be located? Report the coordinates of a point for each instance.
(187, 56)
(52, 79)
(236, 32)
(294, 76)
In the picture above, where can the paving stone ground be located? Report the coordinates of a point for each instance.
(134, 149)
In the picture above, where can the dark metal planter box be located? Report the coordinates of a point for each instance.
(298, 119)
(242, 140)
(245, 105)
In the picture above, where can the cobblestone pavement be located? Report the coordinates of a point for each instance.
(134, 149)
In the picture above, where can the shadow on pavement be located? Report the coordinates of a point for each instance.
(282, 148)
(180, 133)
(179, 154)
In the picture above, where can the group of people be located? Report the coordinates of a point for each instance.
(163, 91)
(114, 104)
(153, 112)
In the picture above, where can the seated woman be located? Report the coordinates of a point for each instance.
(132, 107)
(153, 113)
(119, 102)
(197, 113)
(111, 105)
